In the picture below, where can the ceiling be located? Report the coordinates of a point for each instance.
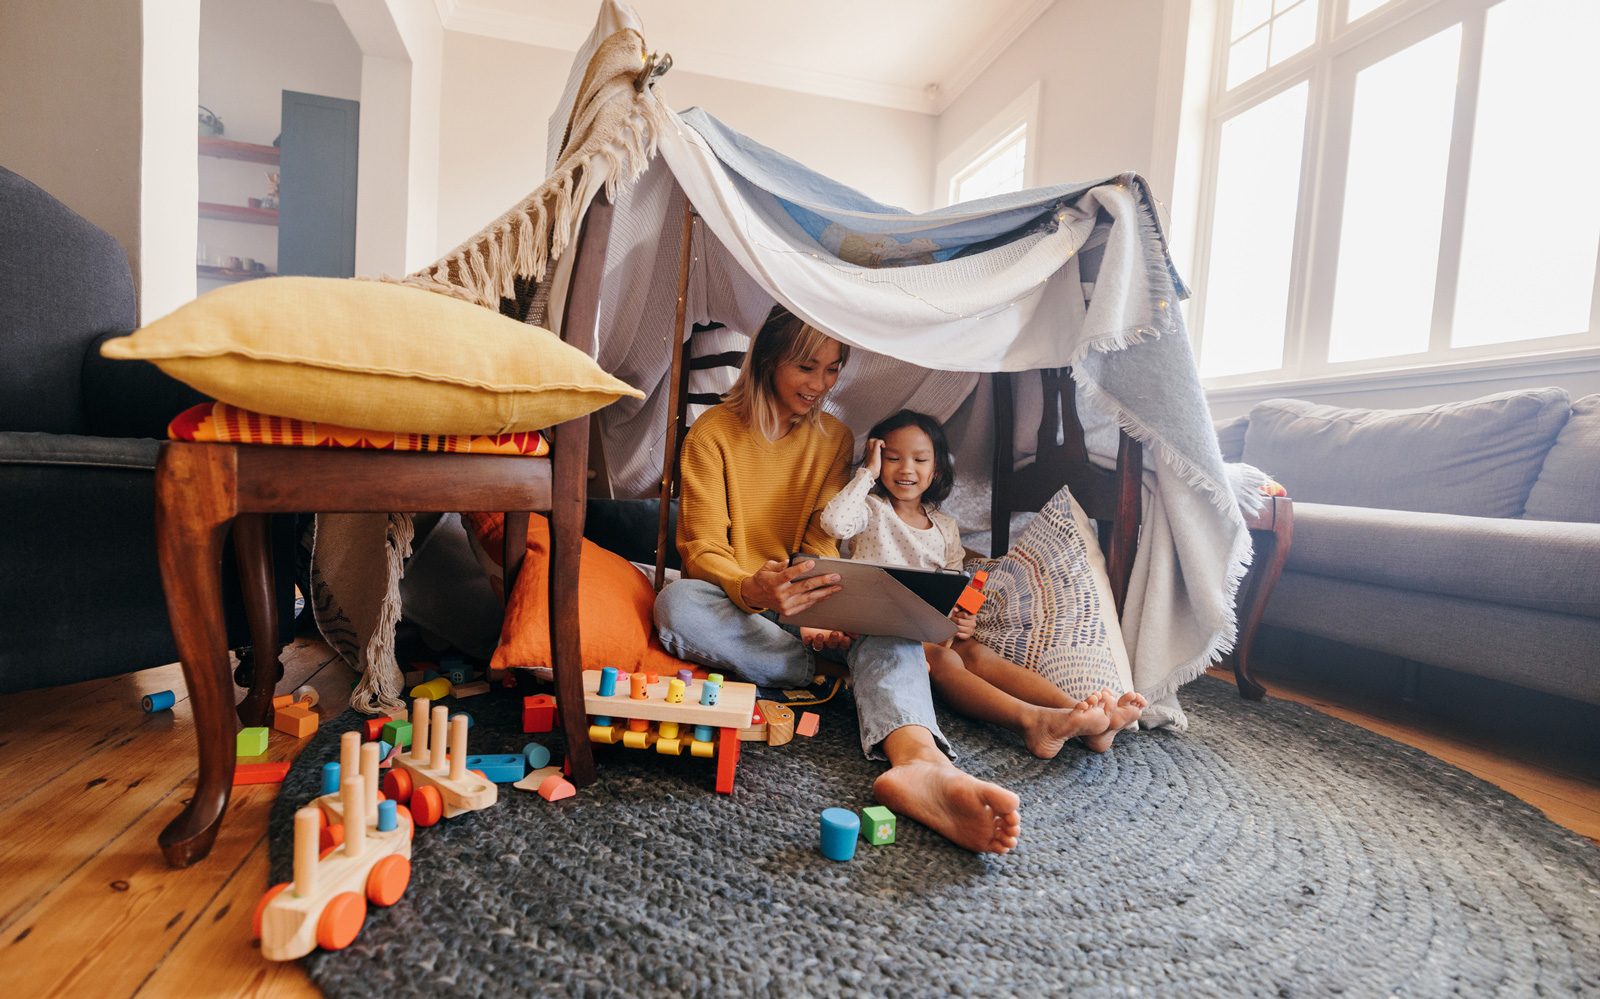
(916, 55)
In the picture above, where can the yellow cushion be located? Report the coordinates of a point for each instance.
(368, 354)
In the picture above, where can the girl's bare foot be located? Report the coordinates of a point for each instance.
(969, 812)
(1123, 711)
(1046, 730)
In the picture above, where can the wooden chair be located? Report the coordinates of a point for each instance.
(1112, 499)
(202, 487)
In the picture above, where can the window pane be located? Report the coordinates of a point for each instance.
(1252, 236)
(1000, 173)
(1294, 30)
(1360, 8)
(1249, 14)
(1394, 201)
(1533, 210)
(1247, 57)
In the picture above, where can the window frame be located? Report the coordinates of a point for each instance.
(1330, 65)
(1021, 112)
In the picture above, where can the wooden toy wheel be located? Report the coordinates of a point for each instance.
(397, 786)
(341, 920)
(261, 906)
(404, 814)
(388, 880)
(329, 837)
(427, 807)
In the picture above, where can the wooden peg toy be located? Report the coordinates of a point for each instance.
(636, 687)
(326, 903)
(757, 729)
(780, 722)
(359, 760)
(699, 715)
(433, 784)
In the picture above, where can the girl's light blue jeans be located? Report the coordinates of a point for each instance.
(699, 623)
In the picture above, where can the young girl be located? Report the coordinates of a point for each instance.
(890, 510)
(757, 471)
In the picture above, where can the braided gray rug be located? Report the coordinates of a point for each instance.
(1271, 850)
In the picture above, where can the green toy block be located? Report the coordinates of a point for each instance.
(397, 733)
(252, 741)
(877, 825)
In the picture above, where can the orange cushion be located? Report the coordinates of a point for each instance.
(615, 605)
(218, 421)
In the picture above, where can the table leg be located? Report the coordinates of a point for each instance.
(252, 545)
(727, 759)
(1271, 550)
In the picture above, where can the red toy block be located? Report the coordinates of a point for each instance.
(372, 728)
(808, 723)
(972, 597)
(259, 773)
(538, 713)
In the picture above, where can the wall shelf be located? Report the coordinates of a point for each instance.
(227, 274)
(230, 150)
(238, 213)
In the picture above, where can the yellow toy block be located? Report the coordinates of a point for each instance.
(669, 747)
(639, 740)
(603, 733)
(702, 749)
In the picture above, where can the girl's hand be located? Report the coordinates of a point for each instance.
(819, 639)
(965, 621)
(872, 458)
(774, 587)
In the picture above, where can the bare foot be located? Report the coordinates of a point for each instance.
(1046, 730)
(969, 812)
(1123, 711)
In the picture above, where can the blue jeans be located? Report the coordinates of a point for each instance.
(699, 623)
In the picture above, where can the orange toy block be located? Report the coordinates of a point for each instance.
(808, 723)
(555, 788)
(282, 701)
(295, 720)
(972, 597)
(538, 713)
(259, 773)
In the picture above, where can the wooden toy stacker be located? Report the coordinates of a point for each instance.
(326, 903)
(675, 721)
(433, 785)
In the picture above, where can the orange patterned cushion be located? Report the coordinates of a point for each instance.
(220, 422)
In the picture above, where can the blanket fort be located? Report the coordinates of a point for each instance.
(1074, 275)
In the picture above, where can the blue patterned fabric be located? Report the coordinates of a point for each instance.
(1047, 608)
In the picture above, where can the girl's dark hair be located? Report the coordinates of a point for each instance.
(944, 472)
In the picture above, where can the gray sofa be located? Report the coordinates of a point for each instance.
(1463, 535)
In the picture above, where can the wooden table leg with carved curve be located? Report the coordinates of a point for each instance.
(195, 499)
(1271, 531)
(252, 545)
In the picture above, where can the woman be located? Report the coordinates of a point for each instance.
(756, 473)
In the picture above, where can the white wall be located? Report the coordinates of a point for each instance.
(497, 96)
(1097, 62)
(250, 53)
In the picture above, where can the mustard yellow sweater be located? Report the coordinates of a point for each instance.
(744, 499)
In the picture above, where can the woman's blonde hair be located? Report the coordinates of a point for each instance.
(782, 339)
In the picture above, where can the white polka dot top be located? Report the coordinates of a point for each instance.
(879, 535)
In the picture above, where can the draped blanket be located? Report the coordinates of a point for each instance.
(934, 302)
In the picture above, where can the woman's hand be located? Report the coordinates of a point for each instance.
(872, 458)
(965, 621)
(775, 587)
(818, 639)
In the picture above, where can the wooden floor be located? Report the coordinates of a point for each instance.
(87, 780)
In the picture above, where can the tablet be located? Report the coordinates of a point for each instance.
(878, 599)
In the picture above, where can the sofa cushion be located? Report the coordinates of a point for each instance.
(1477, 458)
(1230, 437)
(1544, 565)
(1568, 487)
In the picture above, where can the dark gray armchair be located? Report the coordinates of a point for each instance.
(80, 591)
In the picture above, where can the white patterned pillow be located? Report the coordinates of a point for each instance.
(1047, 605)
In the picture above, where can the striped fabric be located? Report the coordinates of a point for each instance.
(222, 423)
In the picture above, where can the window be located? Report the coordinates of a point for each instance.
(998, 158)
(1398, 184)
(997, 171)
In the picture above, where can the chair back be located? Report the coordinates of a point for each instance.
(1111, 498)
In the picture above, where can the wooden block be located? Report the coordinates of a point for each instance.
(780, 722)
(556, 787)
(538, 713)
(537, 777)
(705, 750)
(282, 701)
(877, 825)
(808, 723)
(252, 742)
(757, 730)
(372, 728)
(433, 689)
(259, 773)
(970, 600)
(502, 768)
(397, 732)
(735, 702)
(639, 740)
(472, 689)
(295, 720)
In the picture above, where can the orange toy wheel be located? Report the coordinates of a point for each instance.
(402, 812)
(427, 807)
(397, 785)
(261, 906)
(341, 920)
(329, 837)
(388, 880)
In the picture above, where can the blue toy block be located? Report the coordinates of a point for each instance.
(501, 769)
(536, 755)
(601, 720)
(608, 681)
(839, 829)
(458, 675)
(431, 674)
(161, 700)
(461, 714)
(330, 777)
(388, 818)
(702, 733)
(251, 742)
